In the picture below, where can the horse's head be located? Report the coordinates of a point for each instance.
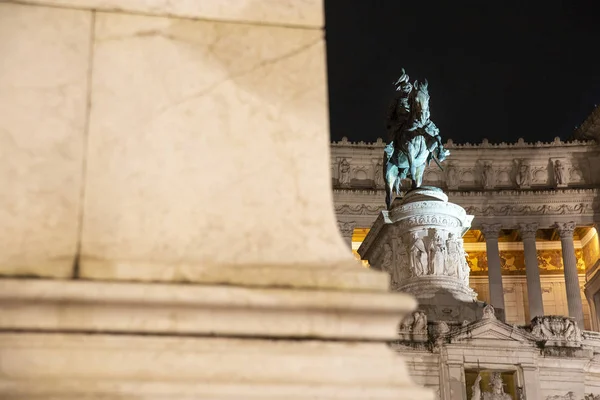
(389, 150)
(420, 101)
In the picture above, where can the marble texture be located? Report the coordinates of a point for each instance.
(207, 152)
(205, 162)
(305, 13)
(121, 340)
(58, 367)
(131, 308)
(43, 108)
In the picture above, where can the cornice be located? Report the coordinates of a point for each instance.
(346, 143)
(485, 144)
(568, 193)
(519, 210)
(371, 192)
(520, 143)
(527, 193)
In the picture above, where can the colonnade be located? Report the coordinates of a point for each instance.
(534, 288)
(528, 231)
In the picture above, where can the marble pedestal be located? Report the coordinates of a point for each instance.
(168, 229)
(419, 243)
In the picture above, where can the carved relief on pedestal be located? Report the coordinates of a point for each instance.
(437, 253)
(419, 263)
(456, 262)
(556, 330)
(523, 174)
(401, 270)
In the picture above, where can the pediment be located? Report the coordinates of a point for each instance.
(491, 330)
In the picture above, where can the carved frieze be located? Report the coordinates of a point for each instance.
(378, 172)
(522, 174)
(521, 209)
(359, 209)
(487, 165)
(452, 176)
(568, 396)
(344, 170)
(559, 172)
(488, 179)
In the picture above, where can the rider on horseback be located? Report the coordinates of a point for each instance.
(414, 138)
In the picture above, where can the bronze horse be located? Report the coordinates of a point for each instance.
(416, 142)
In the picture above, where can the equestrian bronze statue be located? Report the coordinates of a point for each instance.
(414, 138)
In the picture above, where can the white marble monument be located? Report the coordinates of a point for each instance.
(419, 244)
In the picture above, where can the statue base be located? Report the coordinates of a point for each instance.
(419, 243)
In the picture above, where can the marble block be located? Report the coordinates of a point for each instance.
(419, 244)
(146, 341)
(306, 13)
(167, 309)
(58, 367)
(43, 107)
(208, 157)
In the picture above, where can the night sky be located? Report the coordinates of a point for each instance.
(496, 70)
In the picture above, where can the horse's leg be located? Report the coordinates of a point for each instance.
(389, 185)
(419, 178)
(412, 168)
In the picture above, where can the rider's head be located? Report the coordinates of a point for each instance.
(404, 87)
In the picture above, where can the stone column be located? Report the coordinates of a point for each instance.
(347, 230)
(491, 232)
(534, 286)
(565, 230)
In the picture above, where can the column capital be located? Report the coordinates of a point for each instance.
(347, 228)
(491, 231)
(528, 230)
(565, 229)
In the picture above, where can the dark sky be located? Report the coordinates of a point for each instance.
(497, 70)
